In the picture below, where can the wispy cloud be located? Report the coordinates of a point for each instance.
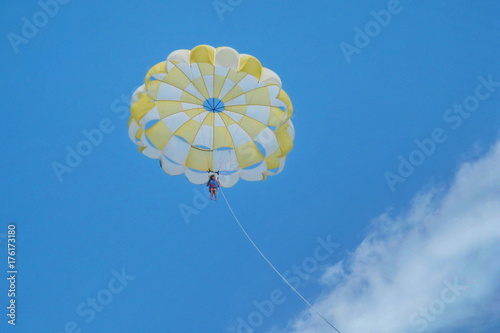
(434, 268)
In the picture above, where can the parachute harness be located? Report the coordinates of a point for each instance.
(272, 266)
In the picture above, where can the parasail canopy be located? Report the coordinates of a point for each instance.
(213, 109)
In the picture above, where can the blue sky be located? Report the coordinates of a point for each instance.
(117, 213)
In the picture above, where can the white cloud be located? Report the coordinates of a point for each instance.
(433, 269)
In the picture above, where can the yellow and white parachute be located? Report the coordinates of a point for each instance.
(213, 109)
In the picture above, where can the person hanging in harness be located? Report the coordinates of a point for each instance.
(213, 185)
